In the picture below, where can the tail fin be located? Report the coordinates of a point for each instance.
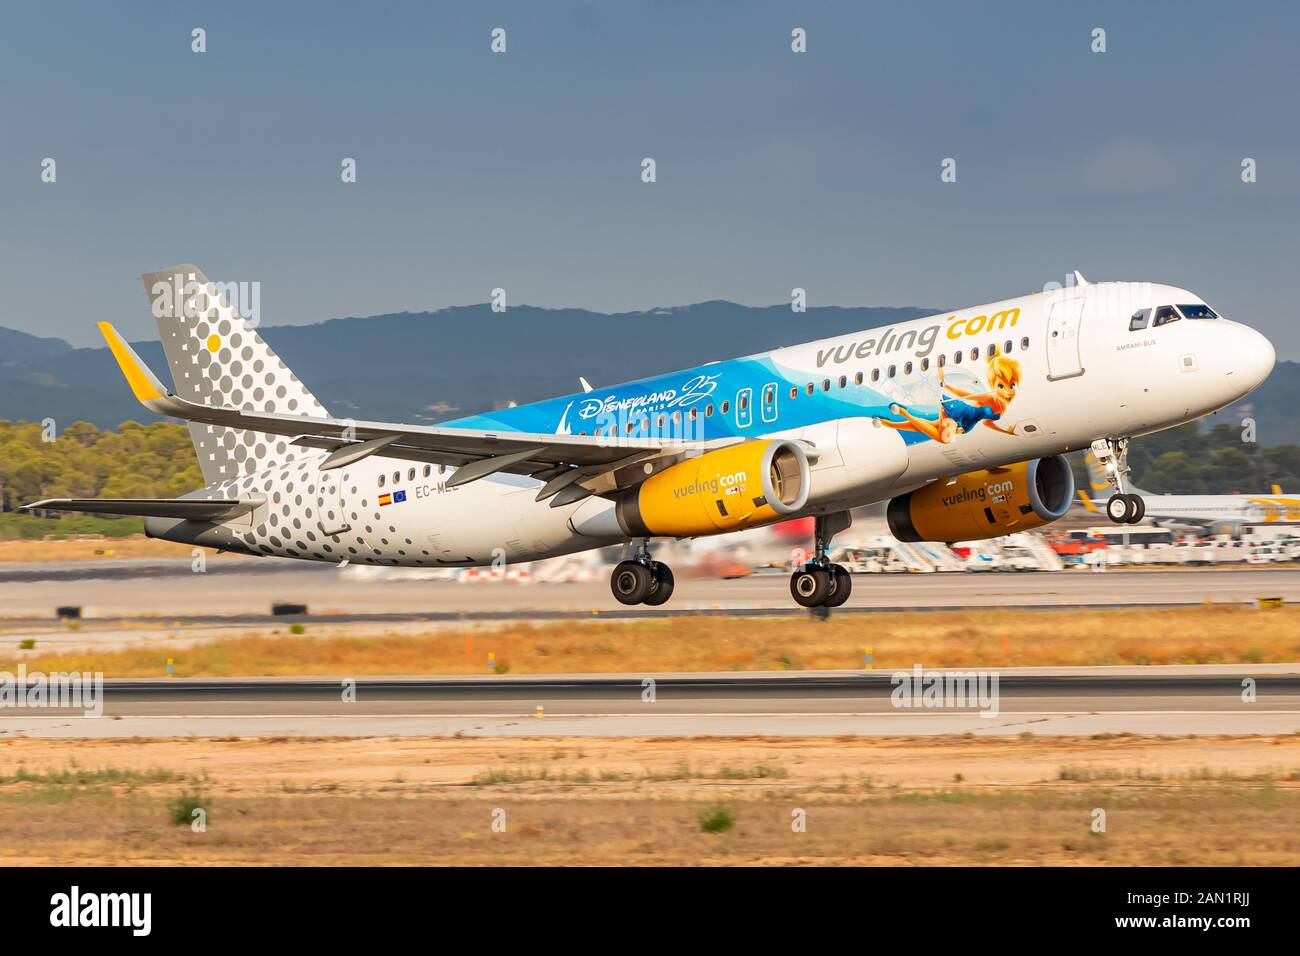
(1098, 484)
(217, 358)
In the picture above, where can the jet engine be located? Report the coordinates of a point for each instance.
(740, 486)
(985, 504)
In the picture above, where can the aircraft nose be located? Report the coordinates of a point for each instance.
(1252, 358)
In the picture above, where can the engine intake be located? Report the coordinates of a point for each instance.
(985, 504)
(741, 486)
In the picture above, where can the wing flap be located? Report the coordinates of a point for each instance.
(192, 509)
(517, 452)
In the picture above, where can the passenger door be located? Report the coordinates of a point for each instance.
(1063, 324)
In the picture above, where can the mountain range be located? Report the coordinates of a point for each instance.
(432, 366)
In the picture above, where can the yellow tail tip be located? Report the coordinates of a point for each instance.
(141, 383)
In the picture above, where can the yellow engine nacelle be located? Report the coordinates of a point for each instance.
(741, 486)
(985, 504)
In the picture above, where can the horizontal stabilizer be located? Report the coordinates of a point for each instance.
(192, 509)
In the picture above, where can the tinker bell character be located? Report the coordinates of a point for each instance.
(961, 417)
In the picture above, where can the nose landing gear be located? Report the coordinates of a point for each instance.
(1122, 507)
(819, 583)
(642, 580)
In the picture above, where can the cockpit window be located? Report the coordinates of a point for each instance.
(1164, 315)
(1197, 312)
(1140, 319)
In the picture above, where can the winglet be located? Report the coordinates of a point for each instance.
(144, 384)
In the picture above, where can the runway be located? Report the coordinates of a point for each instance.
(1175, 700)
(236, 591)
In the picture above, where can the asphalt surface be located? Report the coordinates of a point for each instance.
(242, 592)
(1076, 701)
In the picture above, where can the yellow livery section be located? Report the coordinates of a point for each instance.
(143, 385)
(742, 486)
(985, 504)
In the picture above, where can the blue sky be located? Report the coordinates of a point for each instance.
(522, 170)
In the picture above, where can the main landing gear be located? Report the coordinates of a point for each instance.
(1112, 455)
(642, 580)
(819, 583)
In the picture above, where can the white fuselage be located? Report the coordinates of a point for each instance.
(1082, 375)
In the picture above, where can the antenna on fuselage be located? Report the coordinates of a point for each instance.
(1079, 279)
(586, 386)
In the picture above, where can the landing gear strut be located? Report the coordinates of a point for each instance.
(819, 583)
(1112, 455)
(640, 579)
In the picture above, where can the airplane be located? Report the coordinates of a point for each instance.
(958, 421)
(1219, 514)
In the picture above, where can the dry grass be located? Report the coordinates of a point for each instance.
(93, 549)
(1187, 801)
(1211, 634)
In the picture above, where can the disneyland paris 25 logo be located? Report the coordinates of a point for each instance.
(696, 390)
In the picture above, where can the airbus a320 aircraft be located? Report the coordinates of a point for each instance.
(957, 420)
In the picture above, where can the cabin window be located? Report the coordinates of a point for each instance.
(925, 365)
(769, 394)
(397, 476)
(743, 402)
(794, 391)
(660, 423)
(442, 469)
(428, 470)
(708, 411)
(875, 375)
(811, 388)
(907, 368)
(975, 354)
(726, 406)
(992, 350)
(892, 370)
(1164, 315)
(1007, 346)
(843, 381)
(695, 413)
(381, 481)
(410, 474)
(956, 358)
(857, 379)
(1024, 343)
(826, 385)
(942, 358)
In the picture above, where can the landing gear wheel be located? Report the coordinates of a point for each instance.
(1139, 509)
(631, 582)
(1119, 509)
(810, 586)
(663, 586)
(841, 586)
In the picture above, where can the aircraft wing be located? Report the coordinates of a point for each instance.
(562, 461)
(193, 509)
